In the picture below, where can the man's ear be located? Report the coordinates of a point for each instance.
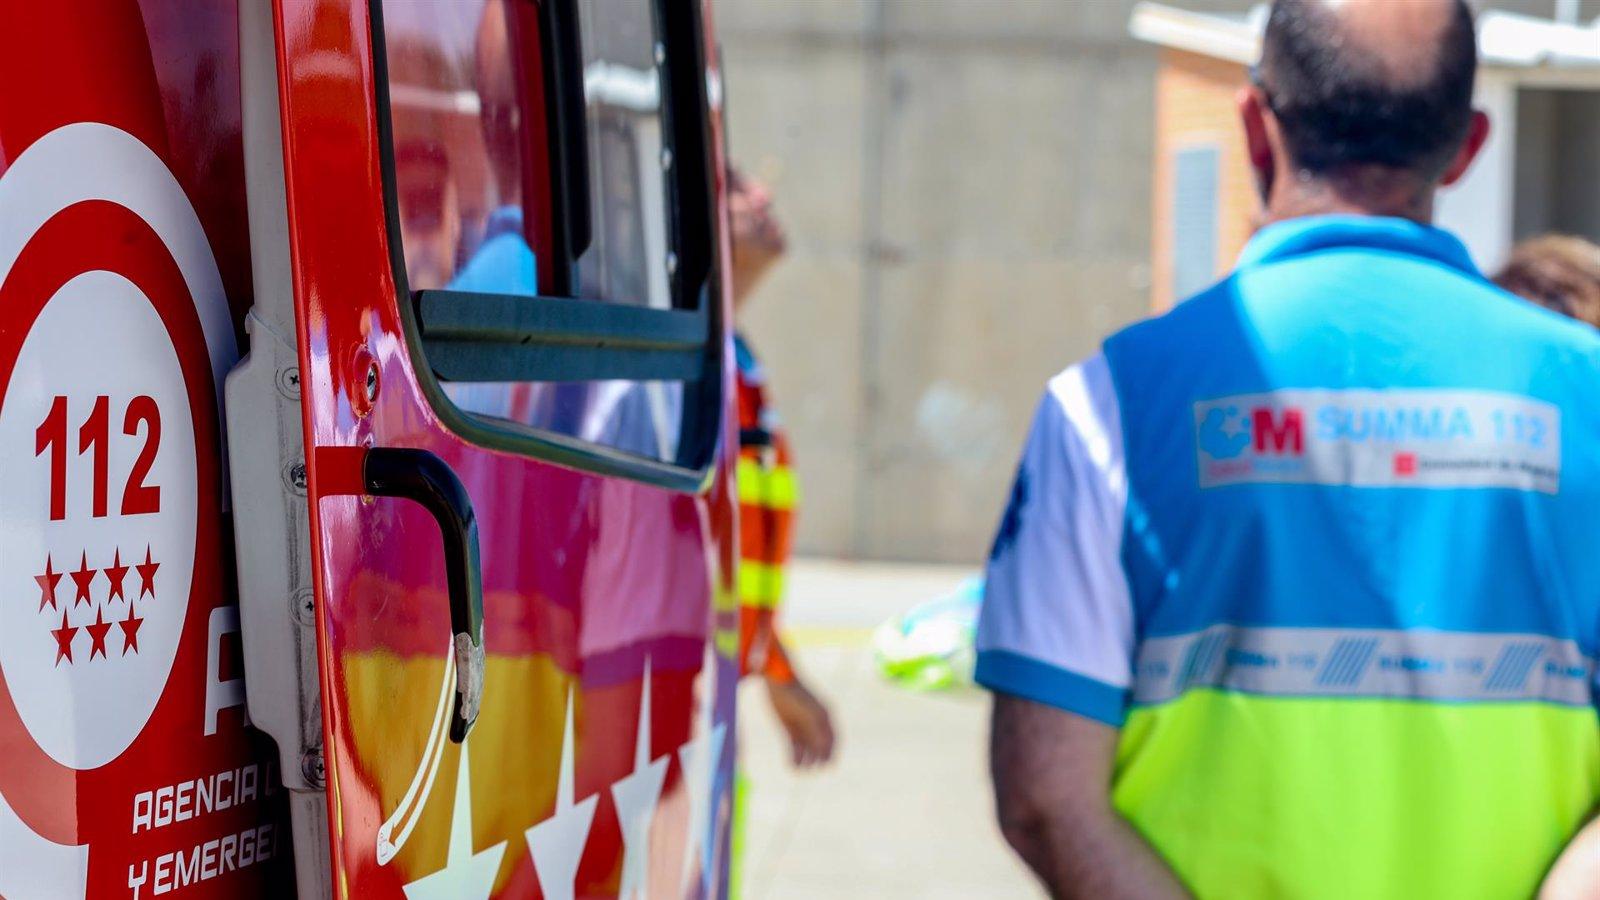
(1253, 114)
(1477, 136)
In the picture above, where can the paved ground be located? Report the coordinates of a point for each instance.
(904, 812)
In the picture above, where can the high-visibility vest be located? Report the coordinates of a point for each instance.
(768, 496)
(1320, 542)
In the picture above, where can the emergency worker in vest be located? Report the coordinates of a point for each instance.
(1297, 593)
(767, 492)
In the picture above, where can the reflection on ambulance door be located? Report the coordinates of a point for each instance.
(464, 121)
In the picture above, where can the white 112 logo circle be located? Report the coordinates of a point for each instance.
(104, 536)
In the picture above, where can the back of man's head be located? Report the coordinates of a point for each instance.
(1360, 83)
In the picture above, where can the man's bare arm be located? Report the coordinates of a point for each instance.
(1052, 785)
(1576, 875)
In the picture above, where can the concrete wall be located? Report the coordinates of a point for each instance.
(967, 185)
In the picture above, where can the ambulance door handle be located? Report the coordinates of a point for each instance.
(425, 479)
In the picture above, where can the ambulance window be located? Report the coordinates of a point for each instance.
(628, 258)
(542, 156)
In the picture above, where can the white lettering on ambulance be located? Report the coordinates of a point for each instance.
(208, 860)
(247, 784)
(221, 694)
(224, 794)
(164, 806)
(163, 881)
(181, 809)
(198, 797)
(187, 869)
(141, 811)
(137, 876)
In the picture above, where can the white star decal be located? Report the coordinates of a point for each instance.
(466, 875)
(698, 759)
(636, 797)
(557, 843)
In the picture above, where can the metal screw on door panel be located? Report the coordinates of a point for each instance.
(304, 607)
(314, 769)
(297, 476)
(289, 383)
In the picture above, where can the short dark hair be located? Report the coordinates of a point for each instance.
(1339, 108)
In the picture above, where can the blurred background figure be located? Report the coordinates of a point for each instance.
(1560, 272)
(768, 493)
(501, 258)
(430, 219)
(495, 256)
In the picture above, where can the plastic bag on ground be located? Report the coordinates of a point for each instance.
(930, 646)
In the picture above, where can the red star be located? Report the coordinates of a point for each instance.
(63, 636)
(47, 584)
(114, 574)
(83, 578)
(97, 634)
(147, 574)
(130, 632)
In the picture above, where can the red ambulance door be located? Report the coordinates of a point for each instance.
(510, 339)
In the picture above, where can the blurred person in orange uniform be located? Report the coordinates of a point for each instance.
(767, 492)
(1558, 272)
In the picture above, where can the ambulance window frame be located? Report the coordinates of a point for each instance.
(540, 338)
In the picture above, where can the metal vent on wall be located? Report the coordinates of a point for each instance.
(1194, 219)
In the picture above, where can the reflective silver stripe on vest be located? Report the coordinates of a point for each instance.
(1336, 662)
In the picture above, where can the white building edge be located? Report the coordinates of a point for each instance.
(1519, 56)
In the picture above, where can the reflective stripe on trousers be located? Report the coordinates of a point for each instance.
(760, 583)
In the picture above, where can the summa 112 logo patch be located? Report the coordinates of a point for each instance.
(1380, 438)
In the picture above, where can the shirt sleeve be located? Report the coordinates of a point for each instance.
(1057, 624)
